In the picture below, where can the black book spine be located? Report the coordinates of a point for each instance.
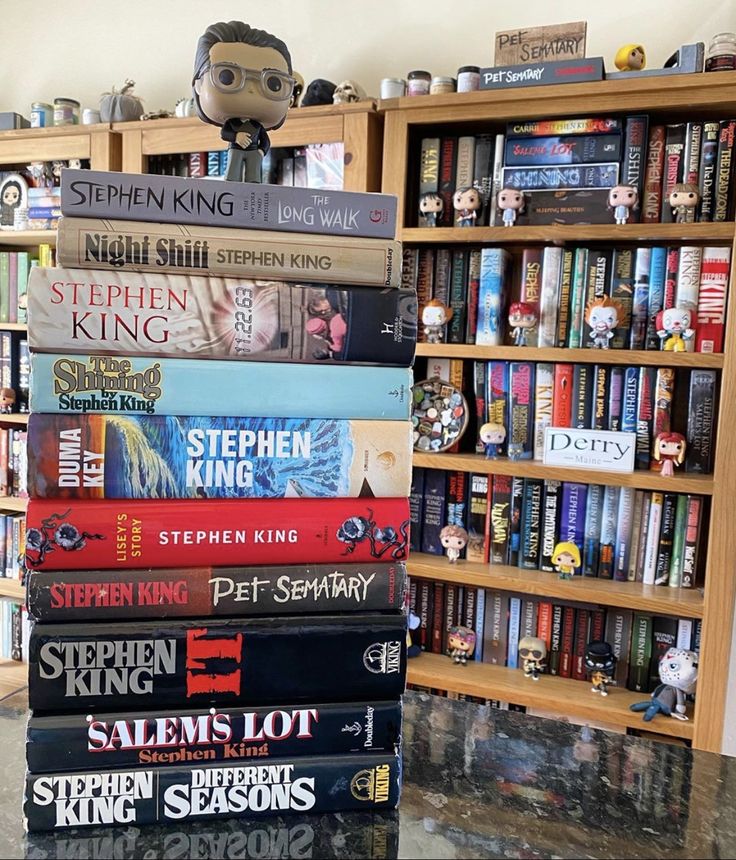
(707, 170)
(147, 796)
(724, 171)
(517, 488)
(666, 539)
(634, 155)
(416, 508)
(550, 523)
(674, 158)
(701, 422)
(601, 376)
(531, 524)
(75, 667)
(582, 400)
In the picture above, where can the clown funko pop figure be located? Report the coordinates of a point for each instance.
(602, 315)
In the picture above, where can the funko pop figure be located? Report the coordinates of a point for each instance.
(492, 435)
(602, 315)
(674, 329)
(435, 316)
(523, 318)
(683, 199)
(669, 450)
(600, 664)
(466, 202)
(533, 653)
(678, 672)
(431, 207)
(242, 83)
(622, 199)
(511, 202)
(565, 558)
(461, 644)
(454, 539)
(7, 400)
(630, 58)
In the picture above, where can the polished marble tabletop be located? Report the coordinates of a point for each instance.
(477, 783)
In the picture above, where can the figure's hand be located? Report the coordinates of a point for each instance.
(242, 138)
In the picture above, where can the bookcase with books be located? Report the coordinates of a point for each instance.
(357, 127)
(98, 147)
(657, 562)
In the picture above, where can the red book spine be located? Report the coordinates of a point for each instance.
(597, 625)
(4, 462)
(438, 616)
(425, 619)
(450, 613)
(711, 319)
(531, 283)
(448, 147)
(562, 398)
(568, 640)
(221, 532)
(582, 623)
(544, 622)
(652, 202)
(670, 283)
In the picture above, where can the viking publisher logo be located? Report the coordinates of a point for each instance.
(383, 658)
(372, 784)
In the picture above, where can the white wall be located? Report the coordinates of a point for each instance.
(79, 48)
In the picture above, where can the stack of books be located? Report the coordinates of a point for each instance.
(219, 515)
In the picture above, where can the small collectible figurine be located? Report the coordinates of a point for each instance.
(511, 202)
(435, 317)
(413, 649)
(684, 197)
(602, 315)
(674, 328)
(669, 450)
(630, 58)
(492, 434)
(522, 317)
(454, 539)
(678, 672)
(466, 202)
(622, 199)
(431, 207)
(533, 653)
(461, 644)
(242, 83)
(565, 558)
(515, 450)
(600, 664)
(7, 400)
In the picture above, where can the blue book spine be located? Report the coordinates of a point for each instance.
(491, 299)
(561, 176)
(520, 435)
(480, 617)
(213, 163)
(416, 508)
(593, 515)
(223, 162)
(624, 525)
(572, 521)
(512, 655)
(629, 409)
(44, 212)
(169, 386)
(608, 532)
(655, 302)
(640, 305)
(498, 397)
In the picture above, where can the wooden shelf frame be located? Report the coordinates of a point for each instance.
(98, 143)
(359, 126)
(12, 588)
(13, 677)
(665, 99)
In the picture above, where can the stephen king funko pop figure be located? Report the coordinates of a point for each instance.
(242, 83)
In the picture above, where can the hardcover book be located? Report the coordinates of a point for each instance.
(164, 738)
(701, 422)
(577, 125)
(242, 205)
(154, 456)
(136, 246)
(540, 74)
(222, 662)
(674, 166)
(141, 796)
(575, 206)
(707, 170)
(583, 379)
(88, 535)
(634, 154)
(550, 523)
(521, 409)
(435, 505)
(724, 169)
(416, 507)
(194, 592)
(563, 149)
(494, 265)
(179, 316)
(167, 386)
(710, 322)
(562, 176)
(478, 537)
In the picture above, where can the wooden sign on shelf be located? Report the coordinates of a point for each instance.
(537, 44)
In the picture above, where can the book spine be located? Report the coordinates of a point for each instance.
(483, 173)
(592, 539)
(688, 276)
(624, 527)
(640, 302)
(550, 523)
(416, 508)
(473, 295)
(449, 617)
(664, 637)
(480, 390)
(429, 165)
(544, 623)
(555, 644)
(4, 286)
(546, 127)
(707, 170)
(528, 623)
(457, 491)
(252, 206)
(664, 390)
(684, 633)
(495, 630)
(24, 264)
(435, 503)
(693, 145)
(497, 184)
(521, 385)
(550, 297)
(645, 416)
(701, 422)
(563, 314)
(641, 653)
(572, 518)
(655, 299)
(436, 620)
(543, 401)
(515, 511)
(168, 662)
(638, 573)
(458, 297)
(259, 254)
(448, 160)
(479, 626)
(578, 298)
(564, 176)
(61, 743)
(652, 199)
(609, 517)
(582, 626)
(601, 378)
(149, 796)
(531, 524)
(674, 166)
(692, 539)
(615, 398)
(500, 518)
(567, 643)
(622, 291)
(103, 384)
(96, 595)
(409, 268)
(512, 655)
(618, 635)
(670, 278)
(636, 518)
(653, 534)
(442, 276)
(674, 579)
(562, 149)
(499, 396)
(468, 617)
(464, 169)
(711, 319)
(424, 281)
(721, 197)
(666, 540)
(582, 400)
(426, 609)
(494, 263)
(634, 156)
(531, 286)
(151, 533)
(477, 549)
(13, 288)
(562, 408)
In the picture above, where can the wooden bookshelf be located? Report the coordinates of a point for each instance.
(13, 417)
(657, 599)
(12, 588)
(13, 677)
(27, 239)
(358, 126)
(664, 99)
(13, 503)
(96, 143)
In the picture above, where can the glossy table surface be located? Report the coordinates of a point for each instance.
(478, 783)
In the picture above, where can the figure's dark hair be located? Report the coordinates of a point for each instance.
(14, 184)
(235, 31)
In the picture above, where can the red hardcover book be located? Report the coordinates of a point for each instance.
(194, 533)
(568, 641)
(711, 320)
(531, 284)
(450, 613)
(544, 622)
(662, 418)
(425, 281)
(197, 164)
(471, 322)
(438, 621)
(652, 202)
(597, 625)
(425, 615)
(448, 154)
(4, 461)
(562, 402)
(670, 282)
(582, 626)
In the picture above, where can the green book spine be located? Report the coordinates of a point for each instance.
(641, 653)
(678, 545)
(577, 298)
(4, 287)
(24, 267)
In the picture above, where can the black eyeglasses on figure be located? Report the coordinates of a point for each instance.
(231, 78)
(528, 653)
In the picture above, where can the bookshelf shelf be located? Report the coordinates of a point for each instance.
(552, 693)
(713, 361)
(13, 677)
(560, 234)
(13, 503)
(14, 417)
(11, 588)
(642, 480)
(27, 239)
(682, 602)
(13, 327)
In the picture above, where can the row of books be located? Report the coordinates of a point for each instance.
(566, 168)
(527, 397)
(14, 270)
(12, 545)
(15, 371)
(563, 286)
(13, 462)
(502, 618)
(620, 533)
(14, 631)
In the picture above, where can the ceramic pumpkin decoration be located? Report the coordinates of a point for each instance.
(121, 106)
